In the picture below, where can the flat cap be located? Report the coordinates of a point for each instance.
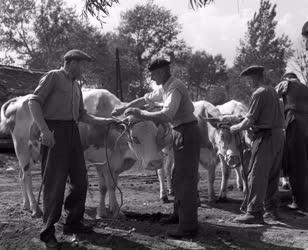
(158, 63)
(77, 54)
(305, 29)
(289, 75)
(252, 70)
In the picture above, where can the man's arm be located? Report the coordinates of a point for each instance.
(167, 113)
(37, 114)
(95, 120)
(137, 103)
(245, 124)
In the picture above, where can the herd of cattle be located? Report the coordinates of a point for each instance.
(118, 148)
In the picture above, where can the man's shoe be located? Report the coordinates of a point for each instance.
(171, 219)
(293, 206)
(52, 243)
(76, 228)
(178, 234)
(271, 215)
(250, 218)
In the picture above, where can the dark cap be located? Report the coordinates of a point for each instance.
(76, 54)
(305, 29)
(252, 70)
(158, 63)
(289, 75)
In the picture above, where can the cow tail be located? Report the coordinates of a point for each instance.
(6, 119)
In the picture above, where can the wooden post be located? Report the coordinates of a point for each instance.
(119, 91)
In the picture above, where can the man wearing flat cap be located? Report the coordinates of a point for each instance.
(305, 33)
(57, 106)
(295, 99)
(265, 118)
(178, 110)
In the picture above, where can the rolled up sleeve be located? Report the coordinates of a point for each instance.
(171, 104)
(282, 88)
(153, 97)
(255, 107)
(44, 88)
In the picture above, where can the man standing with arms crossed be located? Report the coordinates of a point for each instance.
(266, 119)
(57, 106)
(178, 110)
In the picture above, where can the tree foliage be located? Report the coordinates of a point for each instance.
(151, 30)
(100, 8)
(261, 44)
(15, 23)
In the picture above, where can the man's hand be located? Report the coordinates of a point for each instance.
(47, 138)
(136, 112)
(118, 111)
(235, 128)
(110, 121)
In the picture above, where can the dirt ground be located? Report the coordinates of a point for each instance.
(142, 207)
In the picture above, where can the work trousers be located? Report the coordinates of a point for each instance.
(263, 177)
(186, 147)
(297, 161)
(64, 162)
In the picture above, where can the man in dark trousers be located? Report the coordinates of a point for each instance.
(57, 107)
(178, 110)
(295, 100)
(266, 120)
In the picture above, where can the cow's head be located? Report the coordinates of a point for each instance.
(146, 140)
(229, 146)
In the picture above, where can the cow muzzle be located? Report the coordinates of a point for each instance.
(233, 160)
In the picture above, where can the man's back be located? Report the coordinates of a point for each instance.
(265, 109)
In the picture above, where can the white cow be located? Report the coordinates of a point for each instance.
(138, 142)
(218, 145)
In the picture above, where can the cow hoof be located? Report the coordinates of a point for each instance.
(100, 217)
(37, 214)
(222, 199)
(165, 199)
(212, 200)
(120, 215)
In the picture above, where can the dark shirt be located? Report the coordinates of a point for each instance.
(264, 109)
(59, 96)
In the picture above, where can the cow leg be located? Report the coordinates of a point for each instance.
(239, 179)
(25, 199)
(112, 182)
(23, 154)
(168, 171)
(101, 209)
(162, 185)
(211, 180)
(225, 173)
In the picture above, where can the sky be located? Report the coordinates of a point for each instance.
(218, 27)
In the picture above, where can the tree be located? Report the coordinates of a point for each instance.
(205, 69)
(15, 28)
(262, 46)
(150, 30)
(97, 7)
(300, 62)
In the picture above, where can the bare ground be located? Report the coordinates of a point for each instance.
(140, 229)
